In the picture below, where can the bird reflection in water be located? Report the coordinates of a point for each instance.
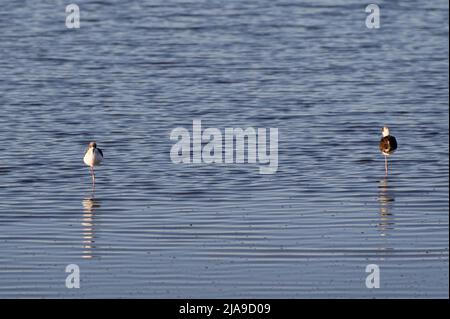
(386, 197)
(90, 204)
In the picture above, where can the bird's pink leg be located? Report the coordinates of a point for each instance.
(93, 178)
(386, 164)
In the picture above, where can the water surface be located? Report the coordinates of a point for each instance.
(136, 70)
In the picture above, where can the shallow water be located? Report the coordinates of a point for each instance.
(134, 71)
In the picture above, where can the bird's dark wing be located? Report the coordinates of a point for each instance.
(392, 143)
(100, 151)
(388, 144)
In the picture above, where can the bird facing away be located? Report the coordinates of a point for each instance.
(388, 145)
(93, 157)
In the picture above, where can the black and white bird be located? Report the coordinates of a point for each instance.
(93, 157)
(388, 145)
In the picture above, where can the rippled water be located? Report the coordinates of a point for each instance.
(136, 70)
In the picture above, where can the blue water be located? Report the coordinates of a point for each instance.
(135, 70)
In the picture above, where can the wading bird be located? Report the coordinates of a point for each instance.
(93, 157)
(388, 145)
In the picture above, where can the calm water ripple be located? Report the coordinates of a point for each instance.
(134, 71)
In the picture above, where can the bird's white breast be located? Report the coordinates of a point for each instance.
(92, 157)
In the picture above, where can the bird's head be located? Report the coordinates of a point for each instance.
(92, 145)
(385, 131)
